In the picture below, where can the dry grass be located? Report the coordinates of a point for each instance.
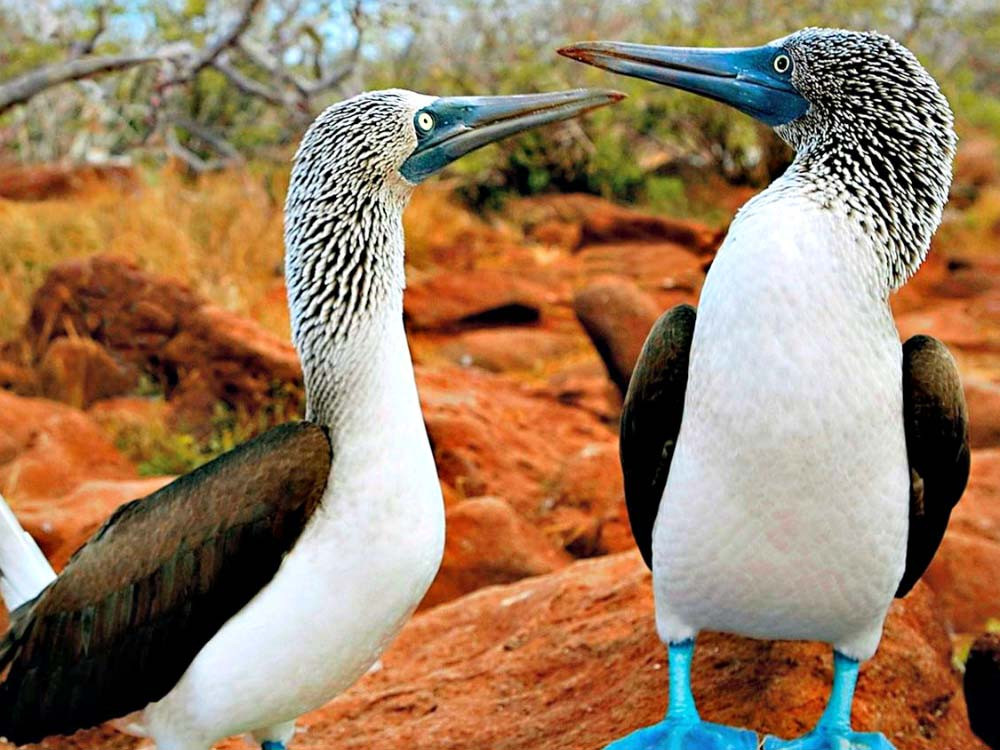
(222, 234)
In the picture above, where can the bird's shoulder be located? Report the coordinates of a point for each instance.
(282, 469)
(123, 621)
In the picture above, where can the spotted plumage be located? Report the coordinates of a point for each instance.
(877, 142)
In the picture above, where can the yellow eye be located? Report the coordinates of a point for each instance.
(425, 122)
(782, 63)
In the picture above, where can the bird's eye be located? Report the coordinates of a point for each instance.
(782, 63)
(425, 122)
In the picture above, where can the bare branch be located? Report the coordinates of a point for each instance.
(270, 64)
(22, 88)
(195, 162)
(304, 89)
(216, 141)
(207, 56)
(82, 65)
(86, 46)
(335, 77)
(248, 85)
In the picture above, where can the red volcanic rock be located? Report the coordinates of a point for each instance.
(111, 300)
(952, 322)
(562, 234)
(965, 573)
(487, 544)
(494, 436)
(983, 398)
(60, 474)
(448, 300)
(47, 449)
(602, 221)
(975, 166)
(503, 349)
(586, 386)
(617, 316)
(20, 379)
(979, 510)
(590, 516)
(39, 182)
(920, 291)
(946, 278)
(78, 372)
(221, 356)
(161, 327)
(969, 277)
(669, 272)
(571, 660)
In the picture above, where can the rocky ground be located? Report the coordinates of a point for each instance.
(523, 340)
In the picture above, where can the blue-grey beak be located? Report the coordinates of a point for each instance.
(755, 80)
(451, 127)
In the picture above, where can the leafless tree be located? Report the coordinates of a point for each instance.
(251, 52)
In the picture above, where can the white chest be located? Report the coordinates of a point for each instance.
(785, 510)
(352, 580)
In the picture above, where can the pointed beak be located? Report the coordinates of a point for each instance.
(458, 125)
(745, 78)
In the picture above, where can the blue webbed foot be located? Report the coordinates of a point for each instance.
(687, 734)
(833, 732)
(683, 729)
(270, 745)
(831, 739)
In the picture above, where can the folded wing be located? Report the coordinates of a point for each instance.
(651, 420)
(120, 625)
(937, 445)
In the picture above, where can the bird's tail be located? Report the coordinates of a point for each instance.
(24, 571)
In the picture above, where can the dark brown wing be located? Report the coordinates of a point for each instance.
(937, 444)
(118, 628)
(651, 419)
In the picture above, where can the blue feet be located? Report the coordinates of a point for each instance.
(833, 731)
(683, 729)
(270, 745)
(681, 734)
(831, 739)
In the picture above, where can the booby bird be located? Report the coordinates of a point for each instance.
(264, 583)
(789, 465)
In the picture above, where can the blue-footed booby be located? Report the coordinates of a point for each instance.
(789, 465)
(264, 583)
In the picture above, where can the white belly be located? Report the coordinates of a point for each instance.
(785, 511)
(352, 580)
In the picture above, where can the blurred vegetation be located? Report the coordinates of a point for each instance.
(158, 449)
(221, 233)
(645, 149)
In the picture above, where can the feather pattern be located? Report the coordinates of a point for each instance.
(651, 419)
(937, 445)
(877, 142)
(135, 604)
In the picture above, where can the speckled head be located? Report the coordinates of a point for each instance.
(397, 138)
(353, 175)
(873, 133)
(354, 172)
